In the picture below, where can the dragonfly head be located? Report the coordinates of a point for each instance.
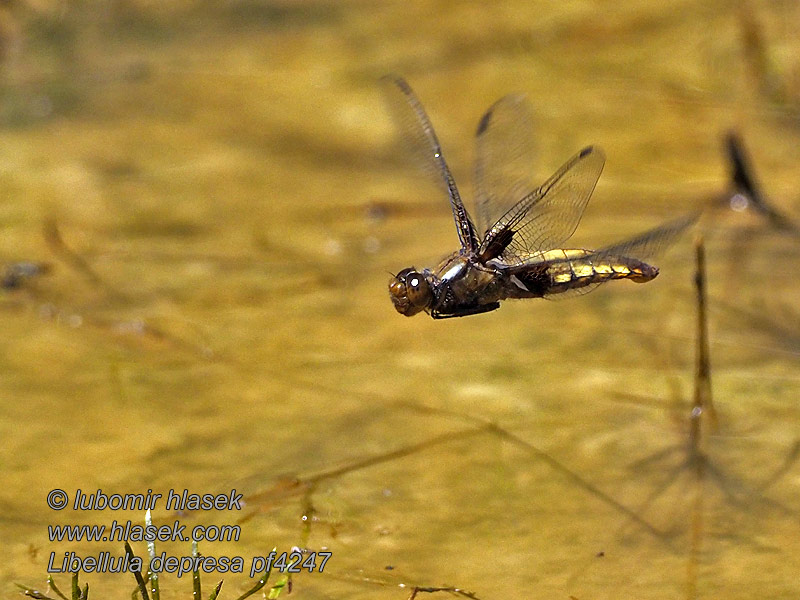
(411, 293)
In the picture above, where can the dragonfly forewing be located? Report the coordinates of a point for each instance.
(504, 159)
(548, 216)
(420, 140)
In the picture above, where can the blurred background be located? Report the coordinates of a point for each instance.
(206, 201)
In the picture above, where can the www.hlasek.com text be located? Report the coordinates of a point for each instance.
(127, 531)
(292, 562)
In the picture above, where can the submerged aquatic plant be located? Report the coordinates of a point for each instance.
(147, 584)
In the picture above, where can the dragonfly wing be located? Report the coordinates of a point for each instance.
(574, 292)
(504, 159)
(650, 244)
(546, 217)
(420, 138)
(534, 270)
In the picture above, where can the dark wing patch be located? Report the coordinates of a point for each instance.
(497, 246)
(534, 278)
(549, 215)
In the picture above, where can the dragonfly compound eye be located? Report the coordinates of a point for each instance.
(410, 292)
(418, 290)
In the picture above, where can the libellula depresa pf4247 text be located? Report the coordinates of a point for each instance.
(520, 254)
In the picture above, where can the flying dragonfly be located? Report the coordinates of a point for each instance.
(521, 253)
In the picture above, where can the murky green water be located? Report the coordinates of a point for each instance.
(224, 179)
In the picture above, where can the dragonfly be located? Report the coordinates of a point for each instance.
(520, 253)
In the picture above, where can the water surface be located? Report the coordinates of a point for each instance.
(230, 203)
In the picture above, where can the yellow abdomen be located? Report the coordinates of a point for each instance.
(571, 269)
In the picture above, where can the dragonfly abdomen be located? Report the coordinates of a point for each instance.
(580, 272)
(558, 271)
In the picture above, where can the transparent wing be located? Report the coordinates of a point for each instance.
(419, 137)
(650, 244)
(574, 292)
(504, 159)
(547, 216)
(644, 247)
